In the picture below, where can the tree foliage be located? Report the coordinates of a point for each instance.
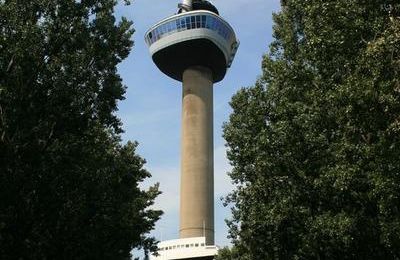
(315, 144)
(68, 188)
(232, 253)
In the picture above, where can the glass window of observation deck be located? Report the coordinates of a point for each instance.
(193, 21)
(183, 23)
(203, 21)
(187, 23)
(164, 29)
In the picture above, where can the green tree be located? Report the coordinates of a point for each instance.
(315, 144)
(68, 188)
(232, 253)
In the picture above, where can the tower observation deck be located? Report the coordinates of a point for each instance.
(195, 46)
(195, 38)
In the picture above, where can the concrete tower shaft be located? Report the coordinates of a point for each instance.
(197, 164)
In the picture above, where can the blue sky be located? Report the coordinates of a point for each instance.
(151, 112)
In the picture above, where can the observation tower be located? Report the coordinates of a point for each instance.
(195, 46)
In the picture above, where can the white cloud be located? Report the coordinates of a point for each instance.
(222, 181)
(168, 201)
(223, 186)
(168, 178)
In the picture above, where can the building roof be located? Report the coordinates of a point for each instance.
(185, 248)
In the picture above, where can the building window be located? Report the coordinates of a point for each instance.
(203, 21)
(197, 21)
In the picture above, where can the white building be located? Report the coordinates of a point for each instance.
(186, 248)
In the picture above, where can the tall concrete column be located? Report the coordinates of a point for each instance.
(197, 165)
